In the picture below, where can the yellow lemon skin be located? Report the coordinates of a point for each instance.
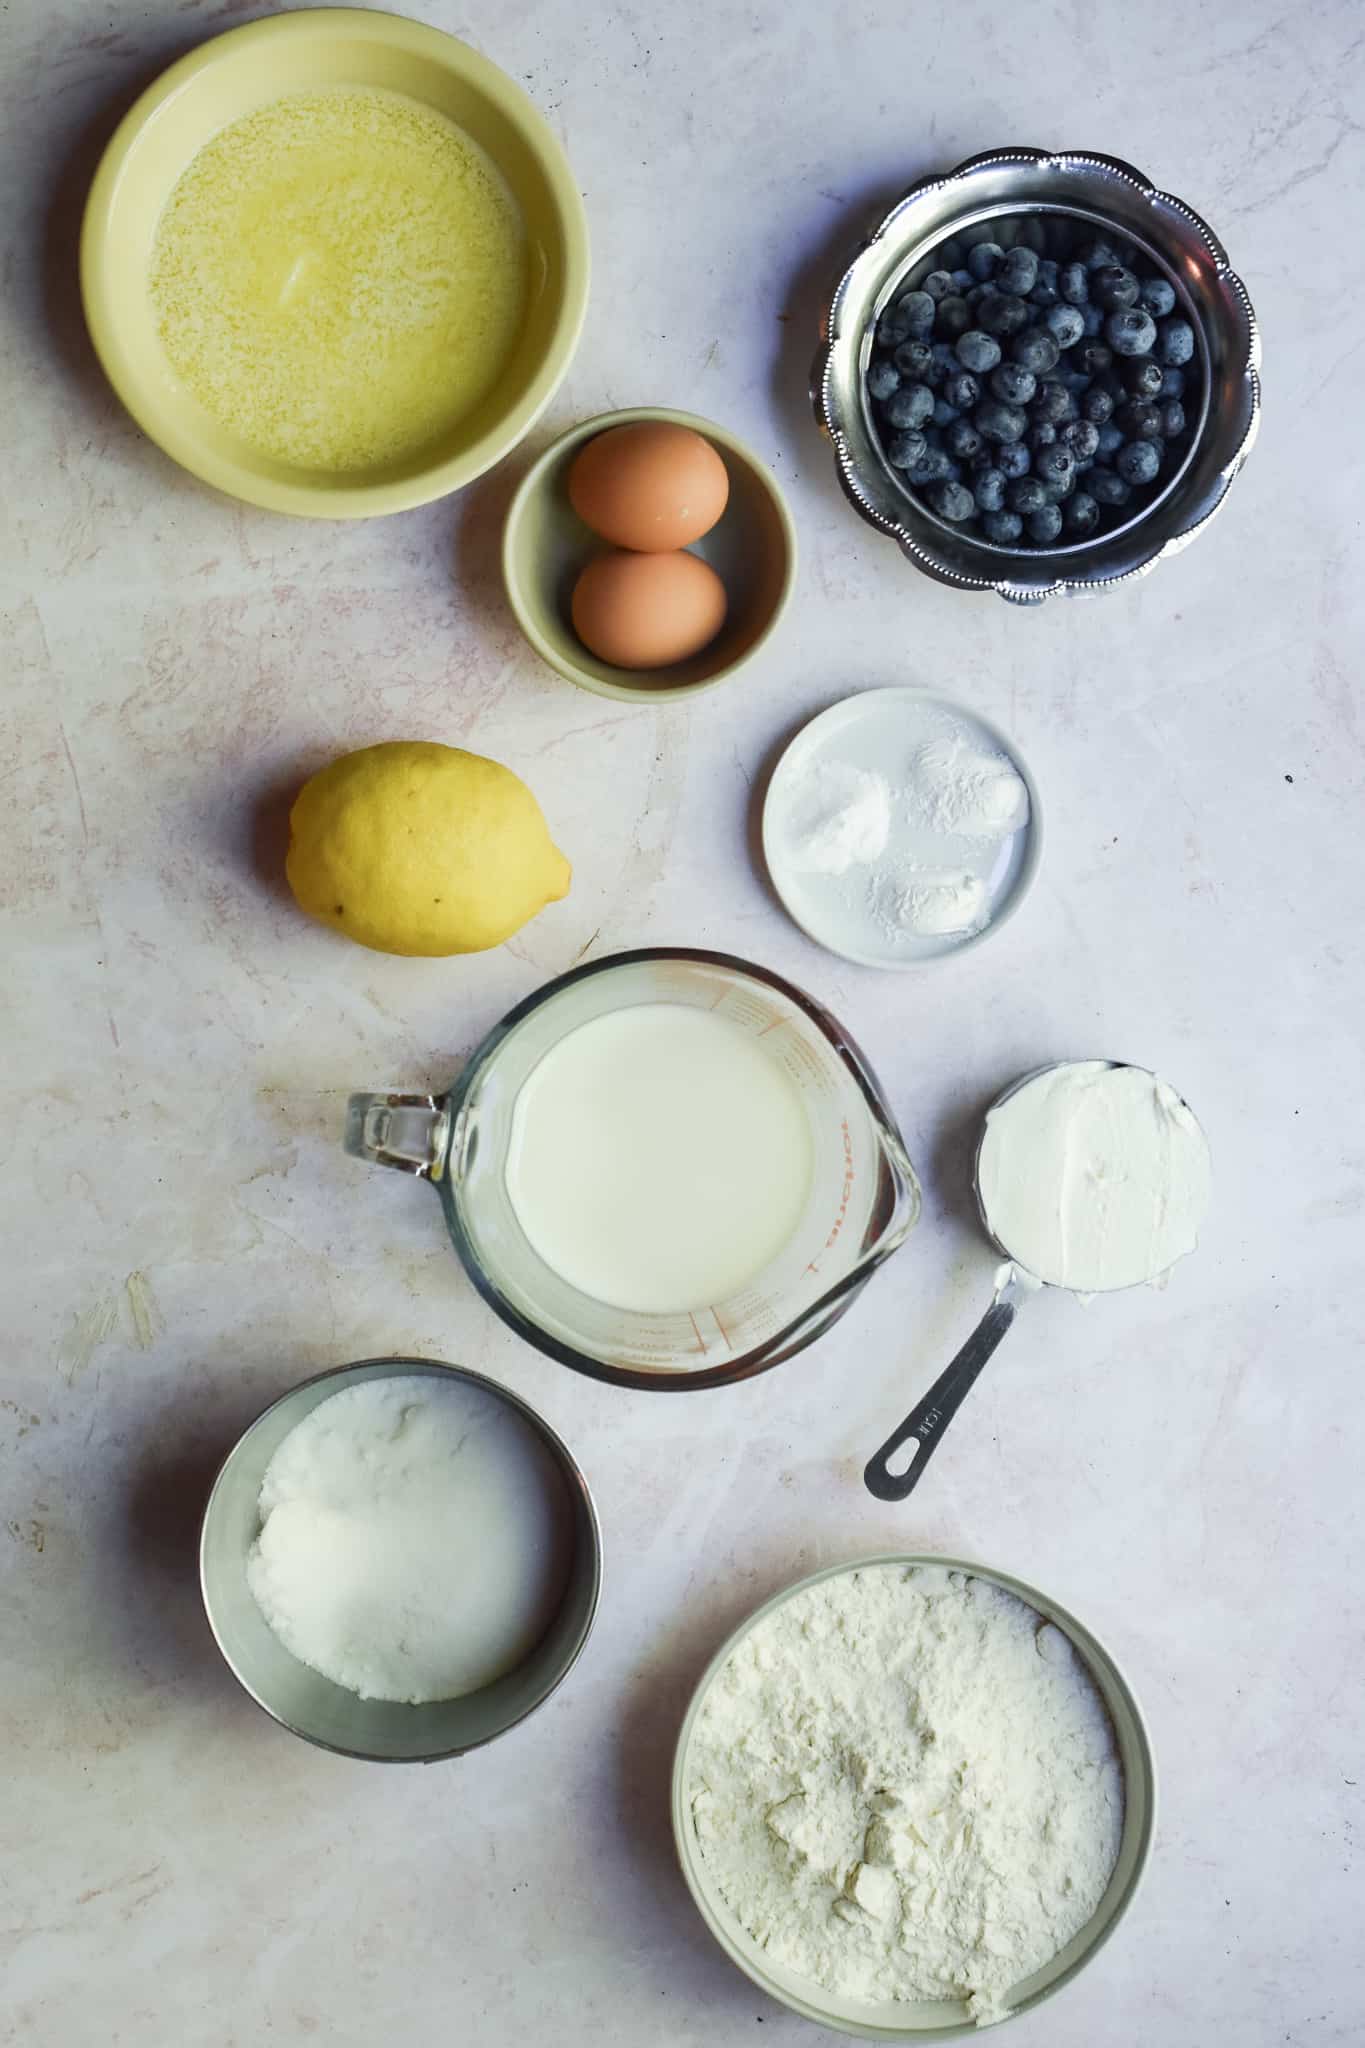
(419, 849)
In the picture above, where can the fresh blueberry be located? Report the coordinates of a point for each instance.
(1098, 254)
(953, 501)
(1093, 317)
(962, 389)
(1157, 297)
(911, 406)
(1092, 357)
(1019, 271)
(882, 379)
(1175, 343)
(944, 414)
(1130, 331)
(984, 260)
(1060, 488)
(1073, 282)
(1138, 462)
(1072, 409)
(1081, 437)
(1142, 377)
(1036, 350)
(1106, 488)
(1044, 525)
(1072, 380)
(1002, 528)
(988, 488)
(1111, 440)
(1041, 434)
(1012, 460)
(1047, 291)
(1065, 324)
(908, 451)
(1172, 419)
(933, 467)
(1001, 315)
(917, 311)
(977, 351)
(1097, 405)
(892, 328)
(1000, 422)
(953, 317)
(1114, 287)
(1080, 515)
(945, 363)
(938, 284)
(952, 255)
(1139, 419)
(1014, 384)
(912, 360)
(1056, 464)
(1051, 400)
(962, 278)
(1026, 494)
(1172, 384)
(962, 441)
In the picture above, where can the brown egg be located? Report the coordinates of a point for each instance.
(649, 486)
(645, 611)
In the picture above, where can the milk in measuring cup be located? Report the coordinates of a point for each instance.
(660, 1158)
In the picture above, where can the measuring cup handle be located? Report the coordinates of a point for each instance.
(927, 1422)
(409, 1132)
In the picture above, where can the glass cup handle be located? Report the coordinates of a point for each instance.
(409, 1132)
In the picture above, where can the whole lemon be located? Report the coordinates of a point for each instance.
(410, 847)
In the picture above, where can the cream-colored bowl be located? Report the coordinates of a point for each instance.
(752, 548)
(941, 2019)
(232, 76)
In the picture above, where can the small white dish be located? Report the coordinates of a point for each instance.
(853, 913)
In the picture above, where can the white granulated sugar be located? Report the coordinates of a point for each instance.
(905, 1785)
(414, 1540)
(839, 817)
(960, 790)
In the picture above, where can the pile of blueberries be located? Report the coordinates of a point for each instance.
(1034, 398)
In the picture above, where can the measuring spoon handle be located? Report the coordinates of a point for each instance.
(927, 1422)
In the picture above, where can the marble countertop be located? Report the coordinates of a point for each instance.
(186, 1238)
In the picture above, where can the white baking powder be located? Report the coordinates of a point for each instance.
(839, 818)
(904, 1784)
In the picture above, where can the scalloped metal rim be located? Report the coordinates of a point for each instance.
(828, 415)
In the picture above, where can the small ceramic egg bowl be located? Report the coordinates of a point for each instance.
(545, 546)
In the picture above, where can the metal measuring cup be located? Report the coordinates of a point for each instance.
(925, 1424)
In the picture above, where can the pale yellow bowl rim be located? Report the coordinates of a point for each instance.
(103, 287)
(644, 692)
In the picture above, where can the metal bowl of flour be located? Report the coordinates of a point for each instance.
(301, 1699)
(942, 2019)
(1002, 195)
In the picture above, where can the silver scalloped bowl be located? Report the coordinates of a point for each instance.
(981, 193)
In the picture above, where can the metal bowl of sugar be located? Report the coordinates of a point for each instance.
(901, 827)
(944, 2019)
(1009, 194)
(301, 1697)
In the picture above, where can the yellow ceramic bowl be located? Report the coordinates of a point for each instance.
(232, 76)
(752, 548)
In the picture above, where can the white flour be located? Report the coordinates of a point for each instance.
(957, 788)
(905, 1785)
(930, 901)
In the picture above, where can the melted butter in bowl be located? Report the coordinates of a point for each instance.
(339, 278)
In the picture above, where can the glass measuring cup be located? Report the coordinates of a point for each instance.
(863, 1198)
(923, 1428)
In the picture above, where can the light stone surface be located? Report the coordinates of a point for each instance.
(185, 1237)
